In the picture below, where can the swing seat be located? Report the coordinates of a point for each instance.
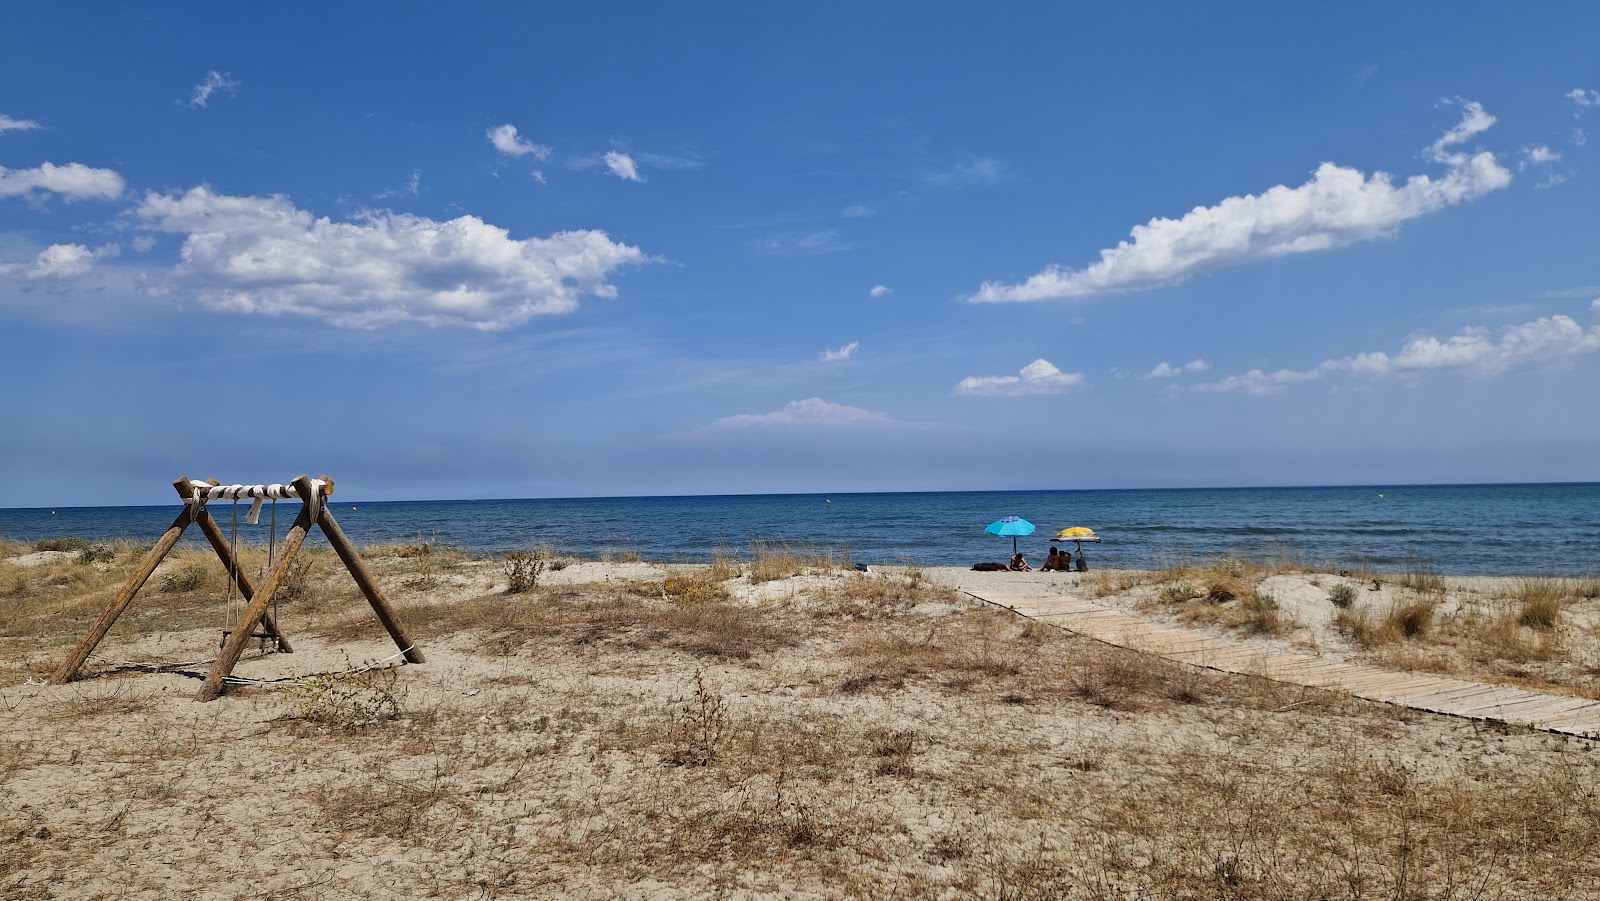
(264, 636)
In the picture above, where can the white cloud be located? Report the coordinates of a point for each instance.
(813, 411)
(1584, 99)
(1595, 304)
(622, 166)
(505, 139)
(880, 291)
(1038, 377)
(61, 261)
(74, 181)
(846, 352)
(1339, 205)
(857, 211)
(412, 185)
(1579, 138)
(976, 171)
(1165, 370)
(9, 124)
(810, 243)
(264, 255)
(144, 243)
(214, 81)
(1543, 340)
(1540, 155)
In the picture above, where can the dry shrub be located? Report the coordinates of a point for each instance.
(771, 561)
(523, 569)
(956, 657)
(1509, 638)
(693, 589)
(1405, 619)
(859, 596)
(1541, 601)
(1421, 579)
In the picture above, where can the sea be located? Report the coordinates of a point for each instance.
(1520, 529)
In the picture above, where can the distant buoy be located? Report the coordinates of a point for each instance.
(52, 512)
(1380, 495)
(829, 501)
(352, 508)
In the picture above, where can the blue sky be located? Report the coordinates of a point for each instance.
(584, 249)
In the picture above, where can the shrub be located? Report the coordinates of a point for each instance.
(96, 553)
(1411, 620)
(692, 590)
(350, 700)
(523, 569)
(1179, 592)
(695, 726)
(191, 576)
(64, 543)
(1541, 602)
(1342, 595)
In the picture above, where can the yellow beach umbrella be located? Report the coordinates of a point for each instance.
(1076, 533)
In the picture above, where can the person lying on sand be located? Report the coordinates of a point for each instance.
(1019, 564)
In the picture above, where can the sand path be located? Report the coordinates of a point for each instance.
(1436, 694)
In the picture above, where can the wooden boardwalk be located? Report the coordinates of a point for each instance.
(1436, 694)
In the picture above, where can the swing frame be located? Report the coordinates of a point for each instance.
(314, 511)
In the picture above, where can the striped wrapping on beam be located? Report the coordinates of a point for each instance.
(204, 492)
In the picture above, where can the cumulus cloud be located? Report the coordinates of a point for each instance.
(214, 81)
(976, 171)
(506, 140)
(264, 255)
(622, 166)
(9, 124)
(813, 411)
(1543, 340)
(1539, 155)
(846, 352)
(1165, 370)
(1584, 99)
(61, 261)
(880, 291)
(1339, 205)
(74, 181)
(1038, 377)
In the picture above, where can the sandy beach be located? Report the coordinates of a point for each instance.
(781, 727)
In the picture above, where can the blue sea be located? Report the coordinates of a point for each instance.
(1550, 529)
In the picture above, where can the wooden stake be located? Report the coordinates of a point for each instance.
(97, 632)
(358, 571)
(228, 657)
(219, 543)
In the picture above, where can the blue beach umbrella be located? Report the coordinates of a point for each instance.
(1011, 526)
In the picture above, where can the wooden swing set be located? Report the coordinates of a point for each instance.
(313, 494)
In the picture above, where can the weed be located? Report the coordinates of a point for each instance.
(1178, 592)
(1423, 580)
(1541, 601)
(523, 569)
(693, 589)
(96, 553)
(192, 575)
(695, 726)
(349, 700)
(63, 543)
(1342, 596)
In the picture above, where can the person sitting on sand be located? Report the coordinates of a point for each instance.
(1019, 564)
(1052, 563)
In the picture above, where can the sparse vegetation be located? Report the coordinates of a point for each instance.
(523, 569)
(1342, 595)
(825, 734)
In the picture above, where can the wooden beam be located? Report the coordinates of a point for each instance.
(219, 543)
(69, 668)
(228, 657)
(358, 570)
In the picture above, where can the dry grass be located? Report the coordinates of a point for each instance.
(771, 561)
(1404, 619)
(849, 737)
(1541, 601)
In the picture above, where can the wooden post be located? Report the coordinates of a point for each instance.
(358, 571)
(97, 632)
(228, 657)
(219, 543)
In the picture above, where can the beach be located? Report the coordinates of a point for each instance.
(781, 725)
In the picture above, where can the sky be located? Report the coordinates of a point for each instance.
(543, 250)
